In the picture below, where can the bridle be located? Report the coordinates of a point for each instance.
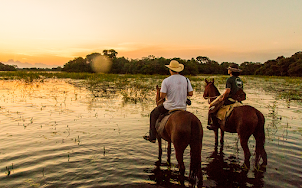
(209, 98)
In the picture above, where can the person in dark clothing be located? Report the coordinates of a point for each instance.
(233, 84)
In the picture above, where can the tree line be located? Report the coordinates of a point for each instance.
(282, 66)
(4, 67)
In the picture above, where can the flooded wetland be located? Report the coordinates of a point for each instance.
(63, 132)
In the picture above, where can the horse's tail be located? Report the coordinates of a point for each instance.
(196, 146)
(260, 131)
(259, 135)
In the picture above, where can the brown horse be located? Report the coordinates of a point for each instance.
(244, 120)
(182, 129)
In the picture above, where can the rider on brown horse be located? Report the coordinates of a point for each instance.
(176, 88)
(233, 85)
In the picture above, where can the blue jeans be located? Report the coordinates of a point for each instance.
(156, 112)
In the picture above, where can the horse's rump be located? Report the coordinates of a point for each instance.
(245, 118)
(175, 125)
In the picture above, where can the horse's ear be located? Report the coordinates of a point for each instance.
(157, 87)
(213, 80)
(206, 81)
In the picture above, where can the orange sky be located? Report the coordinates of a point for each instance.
(52, 32)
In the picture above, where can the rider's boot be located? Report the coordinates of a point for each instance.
(212, 126)
(148, 138)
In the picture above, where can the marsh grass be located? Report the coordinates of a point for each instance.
(136, 87)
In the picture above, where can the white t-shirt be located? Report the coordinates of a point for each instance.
(176, 88)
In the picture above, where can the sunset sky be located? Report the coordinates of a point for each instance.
(52, 32)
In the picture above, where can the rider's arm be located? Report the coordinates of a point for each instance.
(163, 95)
(190, 93)
(161, 98)
(225, 94)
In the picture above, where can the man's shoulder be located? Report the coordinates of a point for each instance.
(229, 79)
(167, 79)
(172, 77)
(232, 78)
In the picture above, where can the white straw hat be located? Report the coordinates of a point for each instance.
(175, 66)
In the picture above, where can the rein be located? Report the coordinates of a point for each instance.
(209, 98)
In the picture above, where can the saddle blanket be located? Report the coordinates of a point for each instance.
(160, 124)
(161, 121)
(225, 111)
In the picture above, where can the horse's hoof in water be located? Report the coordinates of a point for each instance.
(158, 163)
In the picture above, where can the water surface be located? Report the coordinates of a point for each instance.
(74, 133)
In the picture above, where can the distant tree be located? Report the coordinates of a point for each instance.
(269, 68)
(90, 57)
(202, 59)
(249, 68)
(224, 66)
(57, 68)
(4, 67)
(295, 69)
(191, 67)
(110, 53)
(77, 65)
(118, 65)
(281, 66)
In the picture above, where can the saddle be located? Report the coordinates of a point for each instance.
(225, 111)
(162, 120)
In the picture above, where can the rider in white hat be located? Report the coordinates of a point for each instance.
(175, 88)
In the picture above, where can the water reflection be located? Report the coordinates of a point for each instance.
(220, 171)
(59, 133)
(167, 176)
(227, 172)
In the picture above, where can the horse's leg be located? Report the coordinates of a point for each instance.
(179, 151)
(169, 154)
(264, 157)
(260, 151)
(247, 153)
(216, 137)
(159, 151)
(257, 157)
(221, 137)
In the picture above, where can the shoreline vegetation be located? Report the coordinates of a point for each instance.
(284, 87)
(151, 65)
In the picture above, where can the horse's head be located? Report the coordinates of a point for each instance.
(210, 91)
(158, 101)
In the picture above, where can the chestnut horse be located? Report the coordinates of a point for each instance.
(244, 120)
(182, 129)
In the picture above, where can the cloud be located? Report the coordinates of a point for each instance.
(28, 65)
